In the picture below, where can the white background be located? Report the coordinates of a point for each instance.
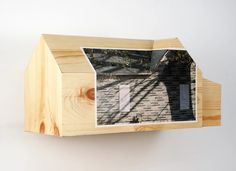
(206, 28)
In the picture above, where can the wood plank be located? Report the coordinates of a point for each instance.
(211, 103)
(167, 43)
(72, 61)
(65, 42)
(43, 93)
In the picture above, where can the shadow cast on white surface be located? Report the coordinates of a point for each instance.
(102, 151)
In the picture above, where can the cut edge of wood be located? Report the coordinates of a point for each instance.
(42, 93)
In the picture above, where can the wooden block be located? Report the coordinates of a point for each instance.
(62, 96)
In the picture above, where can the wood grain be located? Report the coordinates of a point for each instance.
(43, 93)
(60, 88)
(211, 103)
(167, 43)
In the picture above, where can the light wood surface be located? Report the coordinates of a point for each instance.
(43, 93)
(70, 58)
(167, 43)
(60, 88)
(211, 103)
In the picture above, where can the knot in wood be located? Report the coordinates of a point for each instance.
(90, 93)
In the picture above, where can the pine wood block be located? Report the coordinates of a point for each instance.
(61, 88)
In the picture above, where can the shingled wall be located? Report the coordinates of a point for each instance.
(153, 98)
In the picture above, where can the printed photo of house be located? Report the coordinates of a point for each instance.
(143, 86)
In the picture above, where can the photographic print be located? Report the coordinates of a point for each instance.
(143, 86)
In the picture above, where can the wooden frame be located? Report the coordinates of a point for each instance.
(59, 78)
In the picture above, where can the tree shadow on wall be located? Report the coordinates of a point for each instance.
(174, 70)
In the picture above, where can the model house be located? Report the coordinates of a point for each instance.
(77, 85)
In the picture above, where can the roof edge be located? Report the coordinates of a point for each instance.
(168, 43)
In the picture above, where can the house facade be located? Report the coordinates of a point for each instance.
(143, 86)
